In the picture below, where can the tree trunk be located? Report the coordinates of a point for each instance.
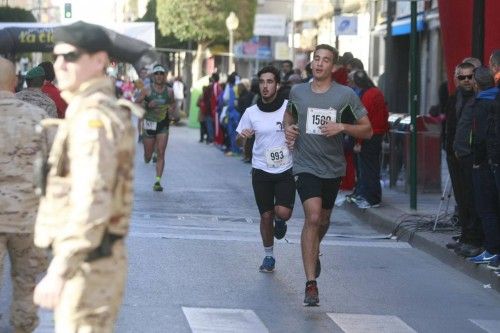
(188, 77)
(198, 61)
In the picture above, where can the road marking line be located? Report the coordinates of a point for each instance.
(212, 320)
(490, 326)
(256, 239)
(360, 323)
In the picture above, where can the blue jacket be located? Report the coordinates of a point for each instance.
(483, 107)
(493, 134)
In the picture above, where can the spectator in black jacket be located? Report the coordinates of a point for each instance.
(245, 96)
(485, 190)
(459, 162)
(245, 100)
(493, 138)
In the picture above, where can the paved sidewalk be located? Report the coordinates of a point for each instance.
(396, 206)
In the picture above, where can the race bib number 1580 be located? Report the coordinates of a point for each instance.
(318, 117)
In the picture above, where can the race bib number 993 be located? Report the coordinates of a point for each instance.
(276, 157)
(319, 117)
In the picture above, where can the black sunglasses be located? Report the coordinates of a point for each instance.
(72, 56)
(463, 77)
(159, 73)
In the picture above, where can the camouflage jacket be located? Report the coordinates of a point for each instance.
(38, 98)
(89, 184)
(18, 147)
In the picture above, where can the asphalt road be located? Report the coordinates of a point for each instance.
(194, 252)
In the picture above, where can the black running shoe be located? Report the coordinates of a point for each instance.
(157, 187)
(279, 229)
(312, 296)
(453, 245)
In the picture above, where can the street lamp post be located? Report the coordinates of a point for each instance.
(232, 23)
(337, 10)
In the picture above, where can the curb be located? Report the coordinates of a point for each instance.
(381, 221)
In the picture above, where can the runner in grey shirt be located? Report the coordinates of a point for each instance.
(313, 129)
(316, 153)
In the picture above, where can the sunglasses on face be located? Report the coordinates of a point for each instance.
(463, 77)
(72, 56)
(159, 73)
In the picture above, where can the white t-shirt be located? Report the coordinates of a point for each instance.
(178, 88)
(270, 152)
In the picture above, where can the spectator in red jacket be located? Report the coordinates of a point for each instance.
(339, 75)
(368, 189)
(51, 90)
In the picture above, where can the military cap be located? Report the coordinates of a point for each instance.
(89, 37)
(35, 72)
(159, 68)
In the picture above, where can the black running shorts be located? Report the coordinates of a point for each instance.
(309, 186)
(161, 128)
(273, 189)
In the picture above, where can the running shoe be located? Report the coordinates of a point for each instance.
(364, 204)
(312, 296)
(279, 229)
(351, 198)
(267, 265)
(157, 187)
(468, 250)
(495, 264)
(483, 258)
(318, 268)
(154, 158)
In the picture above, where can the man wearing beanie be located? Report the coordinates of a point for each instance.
(51, 90)
(34, 95)
(84, 214)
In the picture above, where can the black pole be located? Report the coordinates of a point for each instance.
(389, 89)
(414, 94)
(389, 53)
(188, 77)
(478, 29)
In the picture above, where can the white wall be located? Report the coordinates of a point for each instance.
(359, 44)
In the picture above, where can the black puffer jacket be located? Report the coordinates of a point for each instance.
(485, 107)
(459, 123)
(493, 136)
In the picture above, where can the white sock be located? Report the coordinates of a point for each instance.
(269, 251)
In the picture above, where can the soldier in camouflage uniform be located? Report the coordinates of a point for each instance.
(34, 95)
(18, 202)
(85, 212)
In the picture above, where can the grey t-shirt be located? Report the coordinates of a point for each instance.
(315, 153)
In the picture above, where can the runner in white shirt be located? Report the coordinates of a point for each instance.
(272, 178)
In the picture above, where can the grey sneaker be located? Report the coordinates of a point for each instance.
(468, 250)
(364, 204)
(352, 198)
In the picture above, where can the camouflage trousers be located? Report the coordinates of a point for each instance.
(27, 262)
(90, 300)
